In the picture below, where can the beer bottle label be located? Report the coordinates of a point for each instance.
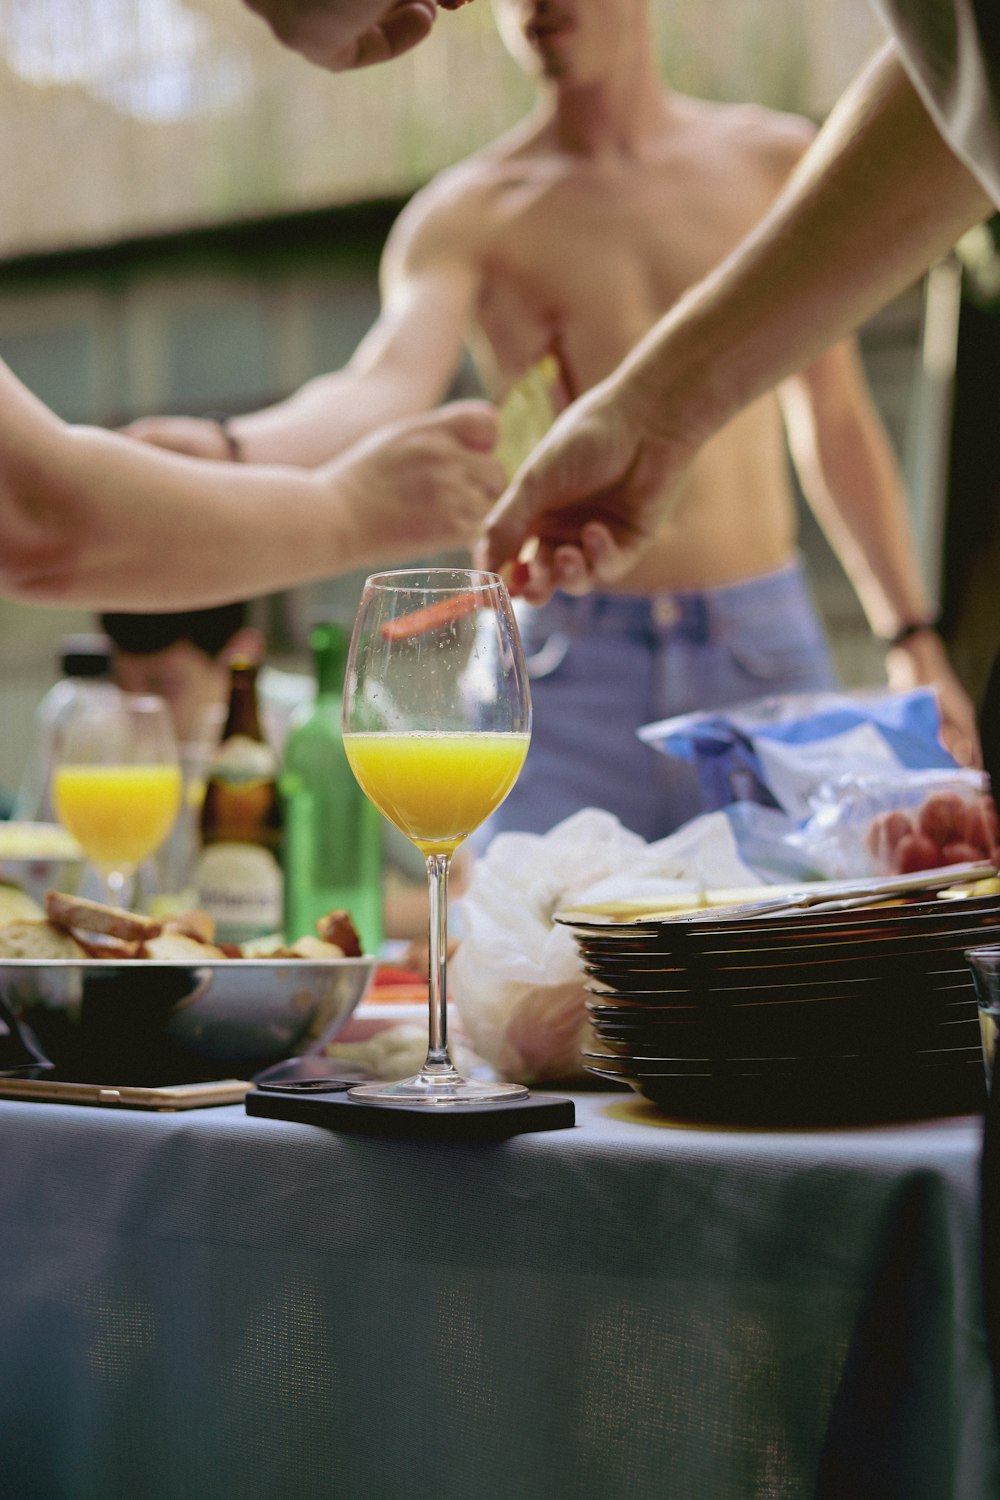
(241, 759)
(241, 886)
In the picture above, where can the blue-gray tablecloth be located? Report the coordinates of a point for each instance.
(201, 1306)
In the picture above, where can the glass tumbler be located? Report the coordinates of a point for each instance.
(985, 966)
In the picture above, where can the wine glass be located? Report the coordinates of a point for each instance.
(437, 719)
(116, 781)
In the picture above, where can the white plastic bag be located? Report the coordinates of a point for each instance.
(516, 978)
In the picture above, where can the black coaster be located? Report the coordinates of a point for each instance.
(452, 1122)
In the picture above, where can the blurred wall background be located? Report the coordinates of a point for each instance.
(194, 219)
(124, 117)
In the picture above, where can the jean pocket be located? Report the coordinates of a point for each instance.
(802, 662)
(549, 656)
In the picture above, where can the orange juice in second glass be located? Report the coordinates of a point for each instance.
(118, 814)
(437, 787)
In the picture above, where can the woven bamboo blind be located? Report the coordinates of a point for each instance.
(128, 117)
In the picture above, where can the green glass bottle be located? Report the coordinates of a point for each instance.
(333, 834)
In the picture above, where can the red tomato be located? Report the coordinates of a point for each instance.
(991, 817)
(978, 829)
(959, 853)
(884, 834)
(942, 817)
(916, 852)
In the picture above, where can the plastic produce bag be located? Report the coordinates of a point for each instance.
(778, 751)
(892, 823)
(516, 979)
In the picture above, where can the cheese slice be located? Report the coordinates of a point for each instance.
(526, 414)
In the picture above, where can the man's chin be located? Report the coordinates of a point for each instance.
(552, 66)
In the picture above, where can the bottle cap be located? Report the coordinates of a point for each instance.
(247, 665)
(85, 655)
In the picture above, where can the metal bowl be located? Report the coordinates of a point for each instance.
(153, 1022)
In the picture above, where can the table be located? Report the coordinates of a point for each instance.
(201, 1306)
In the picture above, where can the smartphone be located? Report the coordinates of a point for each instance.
(126, 1096)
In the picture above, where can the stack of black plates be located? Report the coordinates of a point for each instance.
(792, 1016)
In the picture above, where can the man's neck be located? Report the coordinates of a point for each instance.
(615, 117)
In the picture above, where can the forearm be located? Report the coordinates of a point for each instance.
(403, 365)
(876, 200)
(323, 418)
(104, 523)
(865, 514)
(874, 542)
(852, 481)
(90, 518)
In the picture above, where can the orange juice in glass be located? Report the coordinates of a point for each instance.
(116, 782)
(118, 814)
(436, 721)
(436, 787)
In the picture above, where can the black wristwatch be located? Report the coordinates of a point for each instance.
(914, 627)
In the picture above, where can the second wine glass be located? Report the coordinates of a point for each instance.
(116, 782)
(437, 719)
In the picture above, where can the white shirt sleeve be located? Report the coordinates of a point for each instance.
(951, 50)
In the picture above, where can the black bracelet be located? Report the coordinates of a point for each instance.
(235, 447)
(906, 632)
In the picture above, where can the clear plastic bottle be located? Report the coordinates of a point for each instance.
(333, 834)
(85, 666)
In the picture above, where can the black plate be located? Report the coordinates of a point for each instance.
(832, 1092)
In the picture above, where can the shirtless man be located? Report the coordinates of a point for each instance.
(571, 236)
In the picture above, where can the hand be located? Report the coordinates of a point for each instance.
(198, 437)
(923, 662)
(343, 34)
(422, 485)
(591, 496)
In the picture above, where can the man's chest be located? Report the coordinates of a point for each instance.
(598, 264)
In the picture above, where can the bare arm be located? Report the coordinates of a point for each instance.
(850, 477)
(403, 365)
(876, 200)
(90, 518)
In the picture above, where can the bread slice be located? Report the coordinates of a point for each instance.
(303, 947)
(100, 945)
(180, 948)
(195, 923)
(38, 939)
(338, 927)
(17, 906)
(312, 947)
(79, 914)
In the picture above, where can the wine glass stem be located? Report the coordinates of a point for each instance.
(438, 1059)
(117, 886)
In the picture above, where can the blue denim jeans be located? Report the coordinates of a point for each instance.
(604, 665)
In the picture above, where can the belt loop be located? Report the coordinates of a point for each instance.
(701, 617)
(578, 614)
(664, 610)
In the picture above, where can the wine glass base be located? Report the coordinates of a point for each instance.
(438, 1090)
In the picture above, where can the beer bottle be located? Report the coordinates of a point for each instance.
(333, 848)
(239, 876)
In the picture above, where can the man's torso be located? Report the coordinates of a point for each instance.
(579, 258)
